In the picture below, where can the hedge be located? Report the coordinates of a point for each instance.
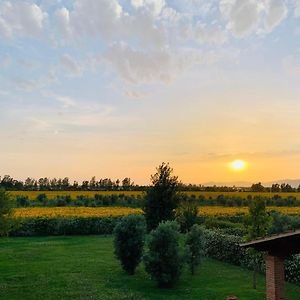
(226, 248)
(65, 226)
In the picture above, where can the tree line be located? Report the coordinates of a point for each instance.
(107, 184)
(56, 184)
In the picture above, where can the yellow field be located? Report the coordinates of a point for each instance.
(51, 212)
(213, 195)
(68, 211)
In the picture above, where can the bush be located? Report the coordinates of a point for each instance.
(292, 269)
(22, 201)
(163, 260)
(226, 248)
(6, 220)
(65, 226)
(129, 237)
(194, 245)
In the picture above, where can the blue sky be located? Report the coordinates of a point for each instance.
(112, 88)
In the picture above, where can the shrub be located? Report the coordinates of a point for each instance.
(194, 245)
(163, 260)
(22, 201)
(226, 248)
(129, 237)
(63, 225)
(42, 198)
(292, 269)
(6, 220)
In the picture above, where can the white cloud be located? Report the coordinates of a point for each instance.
(71, 65)
(21, 18)
(91, 18)
(242, 15)
(154, 6)
(66, 101)
(26, 85)
(297, 8)
(154, 66)
(276, 12)
(210, 34)
(63, 22)
(134, 94)
(5, 29)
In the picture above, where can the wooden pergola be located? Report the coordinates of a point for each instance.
(278, 247)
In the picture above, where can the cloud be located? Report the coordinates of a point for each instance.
(242, 15)
(276, 12)
(21, 18)
(63, 22)
(90, 18)
(66, 101)
(210, 34)
(136, 66)
(297, 8)
(154, 6)
(134, 94)
(71, 65)
(26, 85)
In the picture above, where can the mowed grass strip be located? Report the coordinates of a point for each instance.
(70, 211)
(208, 195)
(84, 267)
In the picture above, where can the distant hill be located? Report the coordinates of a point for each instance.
(292, 182)
(232, 183)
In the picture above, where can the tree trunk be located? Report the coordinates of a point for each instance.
(254, 277)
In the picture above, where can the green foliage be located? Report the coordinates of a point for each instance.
(65, 226)
(282, 223)
(163, 260)
(187, 213)
(6, 220)
(222, 247)
(257, 222)
(226, 248)
(292, 269)
(22, 201)
(194, 247)
(161, 198)
(129, 236)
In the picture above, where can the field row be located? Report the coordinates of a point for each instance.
(51, 212)
(208, 195)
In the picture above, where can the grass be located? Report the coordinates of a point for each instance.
(84, 267)
(208, 195)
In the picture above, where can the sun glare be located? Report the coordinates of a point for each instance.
(238, 165)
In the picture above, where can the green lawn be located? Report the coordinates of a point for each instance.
(83, 267)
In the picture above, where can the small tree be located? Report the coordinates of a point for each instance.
(161, 198)
(6, 220)
(194, 247)
(163, 260)
(187, 213)
(257, 223)
(129, 236)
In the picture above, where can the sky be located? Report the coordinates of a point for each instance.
(113, 88)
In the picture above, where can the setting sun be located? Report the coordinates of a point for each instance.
(238, 165)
